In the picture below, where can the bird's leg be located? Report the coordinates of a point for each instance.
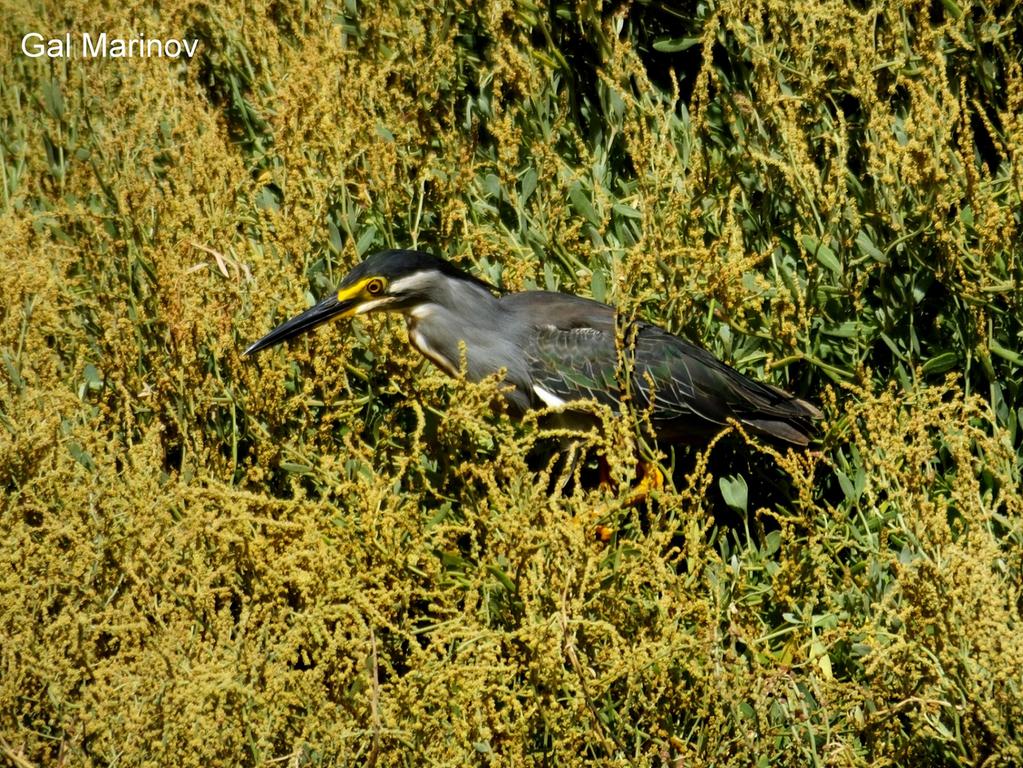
(650, 479)
(606, 483)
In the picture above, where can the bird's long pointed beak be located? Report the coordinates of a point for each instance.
(315, 315)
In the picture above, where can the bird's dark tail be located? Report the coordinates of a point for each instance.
(784, 417)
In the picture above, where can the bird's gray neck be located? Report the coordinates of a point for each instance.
(456, 312)
(460, 323)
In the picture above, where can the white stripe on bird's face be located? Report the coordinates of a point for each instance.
(369, 306)
(417, 282)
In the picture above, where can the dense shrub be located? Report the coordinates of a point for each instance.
(332, 554)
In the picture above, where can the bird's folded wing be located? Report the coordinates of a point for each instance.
(567, 364)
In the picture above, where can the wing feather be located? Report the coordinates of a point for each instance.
(571, 354)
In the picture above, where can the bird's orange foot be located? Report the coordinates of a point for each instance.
(650, 479)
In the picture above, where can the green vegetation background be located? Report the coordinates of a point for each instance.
(332, 555)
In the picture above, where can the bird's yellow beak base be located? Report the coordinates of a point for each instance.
(350, 300)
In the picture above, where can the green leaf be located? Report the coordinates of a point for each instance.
(1005, 354)
(92, 380)
(845, 484)
(675, 44)
(12, 370)
(266, 199)
(53, 99)
(598, 285)
(492, 186)
(940, 363)
(503, 578)
(365, 240)
(786, 273)
(845, 330)
(825, 256)
(334, 237)
(79, 454)
(735, 492)
(824, 663)
(626, 210)
(581, 204)
(954, 10)
(528, 185)
(867, 247)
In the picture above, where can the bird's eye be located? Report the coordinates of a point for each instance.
(375, 286)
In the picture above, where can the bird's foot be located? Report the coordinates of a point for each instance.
(650, 479)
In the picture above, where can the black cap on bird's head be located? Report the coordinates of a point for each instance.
(395, 264)
(376, 283)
